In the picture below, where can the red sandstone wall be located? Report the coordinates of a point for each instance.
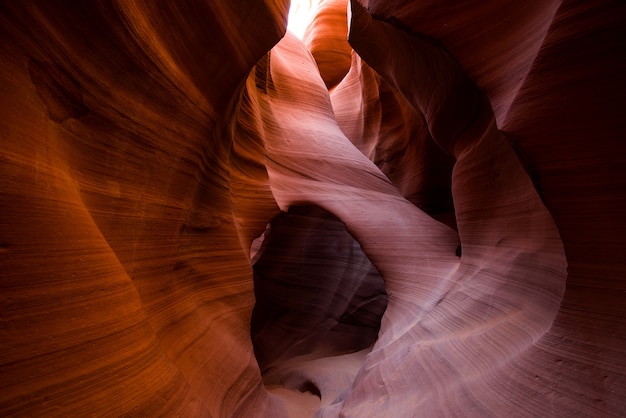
(142, 151)
(125, 286)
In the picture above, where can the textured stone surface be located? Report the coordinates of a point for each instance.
(316, 292)
(145, 148)
(125, 285)
(325, 38)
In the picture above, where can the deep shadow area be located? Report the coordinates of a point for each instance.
(316, 291)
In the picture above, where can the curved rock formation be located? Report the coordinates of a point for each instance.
(325, 37)
(144, 152)
(380, 122)
(316, 292)
(125, 286)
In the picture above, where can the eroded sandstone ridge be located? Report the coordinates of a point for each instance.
(472, 153)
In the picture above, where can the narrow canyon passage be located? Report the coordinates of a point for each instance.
(318, 299)
(414, 211)
(316, 292)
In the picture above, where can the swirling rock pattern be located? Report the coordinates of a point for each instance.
(146, 147)
(316, 292)
(325, 38)
(125, 286)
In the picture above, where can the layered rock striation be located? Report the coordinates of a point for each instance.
(415, 212)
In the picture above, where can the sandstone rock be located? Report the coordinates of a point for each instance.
(145, 148)
(326, 39)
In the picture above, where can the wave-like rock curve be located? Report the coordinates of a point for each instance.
(470, 152)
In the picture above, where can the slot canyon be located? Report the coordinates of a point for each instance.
(417, 210)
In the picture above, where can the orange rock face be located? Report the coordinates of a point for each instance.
(193, 225)
(326, 39)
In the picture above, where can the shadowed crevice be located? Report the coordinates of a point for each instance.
(316, 291)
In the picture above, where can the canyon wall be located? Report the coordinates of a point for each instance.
(424, 200)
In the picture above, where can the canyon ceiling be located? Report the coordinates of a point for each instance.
(418, 210)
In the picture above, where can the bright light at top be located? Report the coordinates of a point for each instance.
(300, 14)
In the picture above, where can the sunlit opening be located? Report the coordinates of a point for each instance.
(300, 14)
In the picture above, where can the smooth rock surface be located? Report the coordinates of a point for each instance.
(472, 152)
